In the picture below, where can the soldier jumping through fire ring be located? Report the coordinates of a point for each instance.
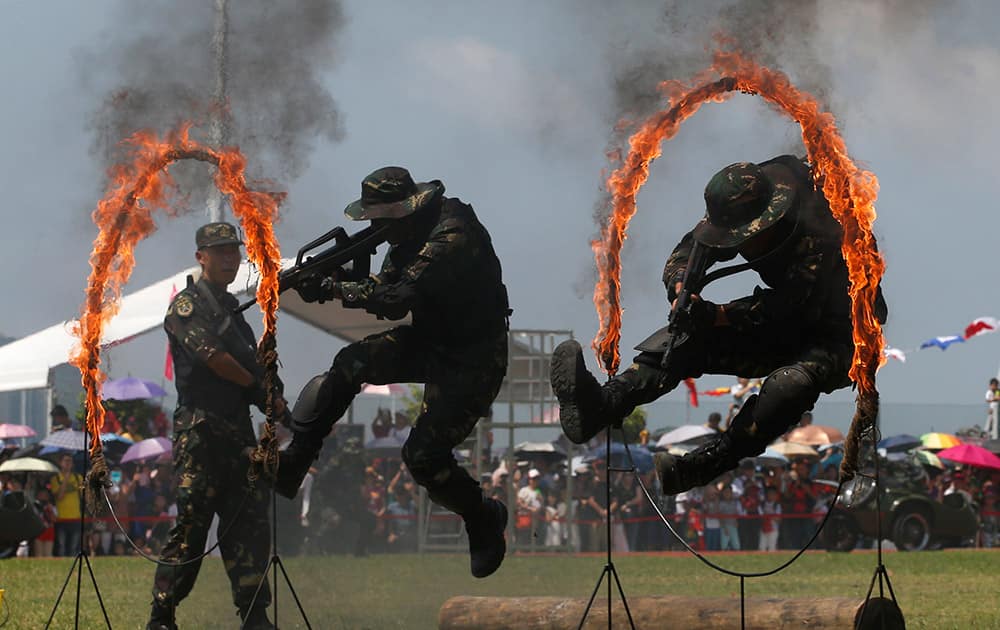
(797, 331)
(441, 268)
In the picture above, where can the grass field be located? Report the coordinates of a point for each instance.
(937, 589)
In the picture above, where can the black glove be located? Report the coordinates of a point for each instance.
(702, 315)
(315, 288)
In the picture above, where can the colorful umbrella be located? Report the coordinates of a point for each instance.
(814, 435)
(131, 388)
(971, 455)
(145, 449)
(72, 440)
(28, 464)
(928, 459)
(641, 455)
(935, 441)
(8, 431)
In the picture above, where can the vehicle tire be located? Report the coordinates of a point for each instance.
(840, 533)
(911, 530)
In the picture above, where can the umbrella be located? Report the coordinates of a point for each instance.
(640, 455)
(72, 440)
(815, 434)
(903, 442)
(939, 440)
(684, 433)
(928, 459)
(8, 431)
(28, 464)
(384, 390)
(131, 388)
(388, 441)
(971, 455)
(770, 457)
(539, 450)
(794, 449)
(144, 449)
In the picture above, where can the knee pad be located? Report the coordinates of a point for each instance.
(785, 395)
(304, 415)
(427, 471)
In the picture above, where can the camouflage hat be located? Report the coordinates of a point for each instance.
(390, 193)
(743, 199)
(214, 234)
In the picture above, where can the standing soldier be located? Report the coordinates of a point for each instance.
(217, 380)
(442, 270)
(797, 331)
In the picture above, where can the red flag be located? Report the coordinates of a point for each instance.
(168, 362)
(718, 391)
(692, 391)
(981, 325)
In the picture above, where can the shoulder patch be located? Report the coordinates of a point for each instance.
(183, 306)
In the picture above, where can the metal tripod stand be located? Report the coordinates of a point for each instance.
(609, 566)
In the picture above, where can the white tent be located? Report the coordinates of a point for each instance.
(25, 363)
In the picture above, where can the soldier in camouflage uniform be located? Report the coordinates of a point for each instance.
(217, 379)
(442, 270)
(797, 331)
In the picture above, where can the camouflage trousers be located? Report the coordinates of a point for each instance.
(460, 384)
(825, 360)
(211, 475)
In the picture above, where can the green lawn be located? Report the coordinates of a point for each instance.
(937, 589)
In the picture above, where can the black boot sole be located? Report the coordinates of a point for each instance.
(499, 552)
(567, 366)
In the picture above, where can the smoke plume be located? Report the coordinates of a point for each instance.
(162, 58)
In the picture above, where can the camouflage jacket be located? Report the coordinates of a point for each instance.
(200, 322)
(449, 281)
(806, 276)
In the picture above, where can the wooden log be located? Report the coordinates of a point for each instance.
(663, 611)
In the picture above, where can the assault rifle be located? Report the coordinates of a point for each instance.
(357, 249)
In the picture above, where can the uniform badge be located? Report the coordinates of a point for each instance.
(183, 306)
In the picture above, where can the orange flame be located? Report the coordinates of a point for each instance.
(124, 216)
(850, 191)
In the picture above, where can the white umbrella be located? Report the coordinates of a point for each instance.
(684, 433)
(28, 464)
(770, 457)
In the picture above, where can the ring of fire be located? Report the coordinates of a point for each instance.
(850, 191)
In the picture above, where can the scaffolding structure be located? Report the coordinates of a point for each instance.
(525, 402)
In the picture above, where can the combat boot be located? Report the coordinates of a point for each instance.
(294, 463)
(579, 393)
(487, 545)
(161, 618)
(256, 620)
(697, 468)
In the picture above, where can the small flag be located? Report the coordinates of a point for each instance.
(692, 391)
(895, 353)
(942, 342)
(718, 391)
(981, 325)
(168, 362)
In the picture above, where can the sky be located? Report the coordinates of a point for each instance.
(513, 105)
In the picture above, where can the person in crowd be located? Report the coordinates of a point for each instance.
(217, 378)
(442, 270)
(61, 420)
(992, 409)
(799, 330)
(67, 486)
(43, 543)
(798, 502)
(402, 525)
(555, 519)
(990, 519)
(131, 431)
(770, 524)
(741, 391)
(749, 526)
(712, 524)
(529, 508)
(729, 511)
(714, 422)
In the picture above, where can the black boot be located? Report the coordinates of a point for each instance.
(161, 618)
(294, 463)
(487, 545)
(256, 620)
(579, 393)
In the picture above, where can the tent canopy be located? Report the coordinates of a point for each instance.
(25, 363)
